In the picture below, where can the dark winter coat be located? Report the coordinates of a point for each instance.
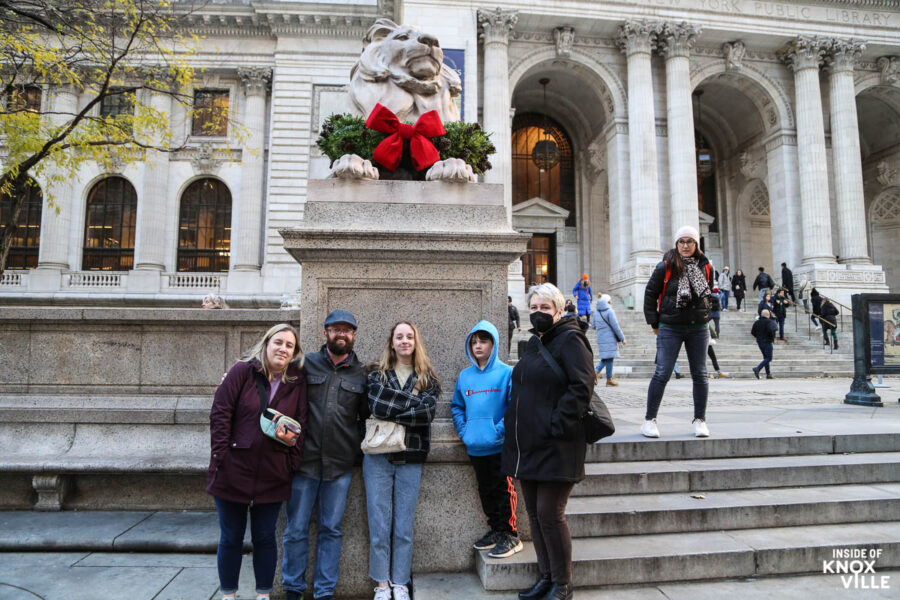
(401, 404)
(763, 305)
(715, 306)
(787, 278)
(830, 312)
(544, 431)
(764, 330)
(739, 285)
(763, 281)
(337, 412)
(780, 305)
(513, 316)
(816, 303)
(695, 313)
(245, 465)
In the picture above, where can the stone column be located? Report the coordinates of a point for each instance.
(848, 178)
(54, 250)
(150, 249)
(676, 41)
(247, 220)
(496, 25)
(803, 56)
(637, 40)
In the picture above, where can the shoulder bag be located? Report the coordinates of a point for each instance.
(597, 421)
(383, 437)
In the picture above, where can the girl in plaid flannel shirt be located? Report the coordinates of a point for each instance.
(402, 387)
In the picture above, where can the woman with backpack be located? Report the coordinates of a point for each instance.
(677, 302)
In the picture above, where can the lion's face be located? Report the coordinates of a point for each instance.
(409, 49)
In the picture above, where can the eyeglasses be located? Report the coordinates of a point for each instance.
(340, 330)
(689, 242)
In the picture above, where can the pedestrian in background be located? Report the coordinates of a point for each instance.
(787, 281)
(739, 287)
(763, 282)
(584, 297)
(780, 305)
(720, 374)
(513, 322)
(764, 331)
(765, 304)
(677, 307)
(403, 388)
(715, 309)
(609, 336)
(250, 472)
(725, 286)
(816, 300)
(829, 313)
(213, 301)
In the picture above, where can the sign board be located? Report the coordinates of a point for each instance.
(881, 320)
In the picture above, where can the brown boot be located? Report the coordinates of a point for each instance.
(612, 382)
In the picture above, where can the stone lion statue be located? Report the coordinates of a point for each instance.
(402, 68)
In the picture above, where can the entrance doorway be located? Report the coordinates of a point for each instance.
(538, 265)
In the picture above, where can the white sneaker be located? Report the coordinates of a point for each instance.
(700, 428)
(649, 429)
(383, 593)
(401, 592)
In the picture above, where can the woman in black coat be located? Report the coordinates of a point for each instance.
(544, 446)
(677, 303)
(739, 287)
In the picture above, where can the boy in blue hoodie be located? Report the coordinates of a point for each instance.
(479, 403)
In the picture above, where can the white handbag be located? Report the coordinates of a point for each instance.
(383, 437)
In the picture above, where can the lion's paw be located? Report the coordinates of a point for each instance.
(455, 170)
(351, 166)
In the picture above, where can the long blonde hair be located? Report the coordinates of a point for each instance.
(421, 363)
(258, 351)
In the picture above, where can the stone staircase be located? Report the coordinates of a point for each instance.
(803, 355)
(661, 511)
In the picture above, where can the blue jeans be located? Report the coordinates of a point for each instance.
(725, 294)
(781, 326)
(392, 492)
(766, 349)
(232, 525)
(668, 345)
(605, 363)
(331, 498)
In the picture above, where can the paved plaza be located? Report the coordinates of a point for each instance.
(113, 555)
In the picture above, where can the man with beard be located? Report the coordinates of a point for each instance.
(336, 392)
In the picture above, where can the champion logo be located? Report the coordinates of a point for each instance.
(487, 391)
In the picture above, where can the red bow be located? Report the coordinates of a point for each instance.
(389, 152)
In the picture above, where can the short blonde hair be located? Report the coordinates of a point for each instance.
(551, 293)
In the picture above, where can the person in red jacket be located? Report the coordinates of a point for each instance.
(249, 471)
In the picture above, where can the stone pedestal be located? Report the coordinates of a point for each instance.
(434, 253)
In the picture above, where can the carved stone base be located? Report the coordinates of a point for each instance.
(51, 491)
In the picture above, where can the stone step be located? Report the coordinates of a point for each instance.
(655, 558)
(731, 440)
(631, 514)
(467, 586)
(738, 473)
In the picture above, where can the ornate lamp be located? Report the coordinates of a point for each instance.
(545, 153)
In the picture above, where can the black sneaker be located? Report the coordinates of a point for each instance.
(291, 595)
(756, 372)
(488, 541)
(507, 545)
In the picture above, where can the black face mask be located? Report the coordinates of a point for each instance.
(541, 321)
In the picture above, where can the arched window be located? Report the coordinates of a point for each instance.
(109, 226)
(26, 241)
(556, 184)
(204, 227)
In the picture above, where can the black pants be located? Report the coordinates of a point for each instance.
(546, 502)
(739, 300)
(497, 493)
(712, 357)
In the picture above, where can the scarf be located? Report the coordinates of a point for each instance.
(691, 279)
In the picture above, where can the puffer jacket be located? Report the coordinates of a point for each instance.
(695, 313)
(609, 334)
(544, 430)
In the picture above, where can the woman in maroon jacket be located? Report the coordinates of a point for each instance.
(249, 471)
